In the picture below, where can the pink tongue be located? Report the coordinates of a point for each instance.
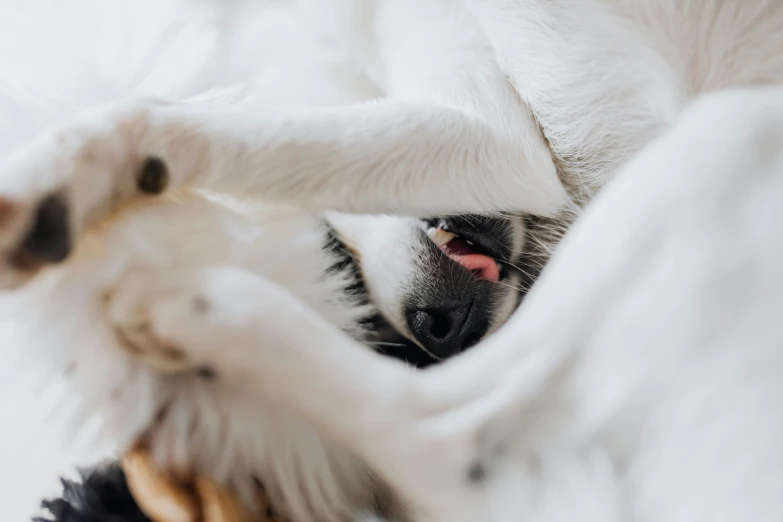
(484, 266)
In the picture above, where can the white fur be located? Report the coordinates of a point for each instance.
(208, 425)
(491, 106)
(62, 321)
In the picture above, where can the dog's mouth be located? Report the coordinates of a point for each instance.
(478, 252)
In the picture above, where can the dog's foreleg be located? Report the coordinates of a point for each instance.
(384, 157)
(256, 336)
(388, 157)
(421, 433)
(453, 136)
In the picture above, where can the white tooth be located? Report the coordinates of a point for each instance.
(439, 236)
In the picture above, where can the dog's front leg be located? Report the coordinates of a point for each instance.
(255, 337)
(386, 157)
(453, 136)
(422, 433)
(381, 157)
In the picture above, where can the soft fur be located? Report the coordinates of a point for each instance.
(586, 401)
(101, 495)
(306, 476)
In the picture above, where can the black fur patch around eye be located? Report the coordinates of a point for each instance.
(102, 495)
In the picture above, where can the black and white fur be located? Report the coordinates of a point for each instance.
(363, 273)
(521, 106)
(100, 494)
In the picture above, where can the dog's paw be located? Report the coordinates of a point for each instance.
(192, 321)
(67, 179)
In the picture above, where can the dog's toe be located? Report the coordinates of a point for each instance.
(131, 310)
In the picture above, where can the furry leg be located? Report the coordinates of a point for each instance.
(388, 157)
(453, 137)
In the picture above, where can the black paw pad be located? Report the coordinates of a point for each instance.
(49, 237)
(154, 176)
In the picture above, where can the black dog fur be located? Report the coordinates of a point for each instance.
(101, 495)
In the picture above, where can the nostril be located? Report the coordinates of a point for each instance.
(471, 340)
(48, 240)
(430, 325)
(441, 326)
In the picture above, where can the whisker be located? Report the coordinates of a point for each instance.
(525, 272)
(513, 287)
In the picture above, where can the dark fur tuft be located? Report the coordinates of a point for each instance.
(346, 262)
(102, 495)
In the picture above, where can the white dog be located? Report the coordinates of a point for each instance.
(497, 106)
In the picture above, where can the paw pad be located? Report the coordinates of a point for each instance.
(154, 176)
(49, 238)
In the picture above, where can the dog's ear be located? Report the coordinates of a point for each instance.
(101, 495)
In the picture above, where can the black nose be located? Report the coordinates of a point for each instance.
(49, 237)
(449, 329)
